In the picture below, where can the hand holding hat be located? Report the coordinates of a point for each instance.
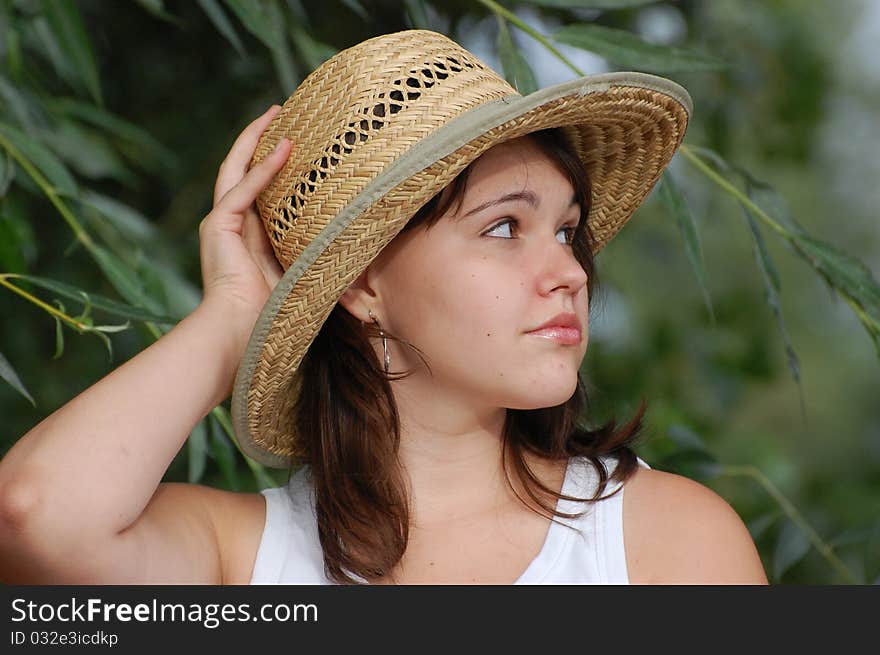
(239, 269)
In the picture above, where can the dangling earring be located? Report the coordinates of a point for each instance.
(384, 341)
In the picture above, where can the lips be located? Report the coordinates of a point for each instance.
(564, 320)
(563, 328)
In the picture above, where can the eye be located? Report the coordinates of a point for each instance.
(569, 233)
(568, 230)
(506, 221)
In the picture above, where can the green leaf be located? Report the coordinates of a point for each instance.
(103, 337)
(20, 105)
(10, 376)
(850, 277)
(847, 275)
(760, 525)
(418, 17)
(842, 272)
(265, 20)
(218, 17)
(706, 469)
(85, 314)
(719, 161)
(685, 438)
(692, 463)
(124, 280)
(59, 333)
(11, 246)
(313, 53)
(590, 4)
(262, 478)
(771, 202)
(281, 56)
(157, 8)
(13, 52)
(762, 255)
(87, 151)
(158, 272)
(298, 13)
(224, 454)
(626, 49)
(677, 205)
(197, 447)
(133, 225)
(181, 295)
(16, 233)
(41, 158)
(67, 25)
(7, 173)
(791, 547)
(358, 8)
(854, 535)
(153, 282)
(72, 247)
(771, 292)
(147, 148)
(111, 328)
(46, 44)
(516, 68)
(255, 16)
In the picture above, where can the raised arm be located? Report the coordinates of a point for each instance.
(78, 492)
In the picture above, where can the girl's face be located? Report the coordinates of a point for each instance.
(468, 290)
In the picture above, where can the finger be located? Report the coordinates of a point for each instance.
(250, 233)
(260, 248)
(257, 242)
(235, 165)
(273, 272)
(244, 193)
(253, 233)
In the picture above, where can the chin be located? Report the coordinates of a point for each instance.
(544, 394)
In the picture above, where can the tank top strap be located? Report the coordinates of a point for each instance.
(595, 553)
(276, 535)
(611, 546)
(290, 549)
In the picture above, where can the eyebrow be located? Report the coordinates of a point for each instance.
(526, 196)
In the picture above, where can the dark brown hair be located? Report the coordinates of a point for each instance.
(350, 427)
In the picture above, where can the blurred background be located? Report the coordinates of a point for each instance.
(740, 301)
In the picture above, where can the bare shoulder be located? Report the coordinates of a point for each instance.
(678, 531)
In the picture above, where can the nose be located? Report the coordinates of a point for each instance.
(559, 268)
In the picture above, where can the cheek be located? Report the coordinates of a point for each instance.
(469, 305)
(485, 300)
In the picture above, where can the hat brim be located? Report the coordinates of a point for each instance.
(626, 127)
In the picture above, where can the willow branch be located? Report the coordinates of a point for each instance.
(824, 549)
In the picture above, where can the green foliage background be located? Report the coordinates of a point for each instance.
(739, 301)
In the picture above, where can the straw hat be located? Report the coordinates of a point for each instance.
(377, 131)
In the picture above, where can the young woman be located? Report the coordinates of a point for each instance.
(404, 314)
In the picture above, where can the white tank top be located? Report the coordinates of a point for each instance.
(290, 551)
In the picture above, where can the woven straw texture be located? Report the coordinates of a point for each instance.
(349, 122)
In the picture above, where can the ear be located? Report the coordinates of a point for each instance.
(360, 297)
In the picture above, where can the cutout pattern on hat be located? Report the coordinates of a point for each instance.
(414, 77)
